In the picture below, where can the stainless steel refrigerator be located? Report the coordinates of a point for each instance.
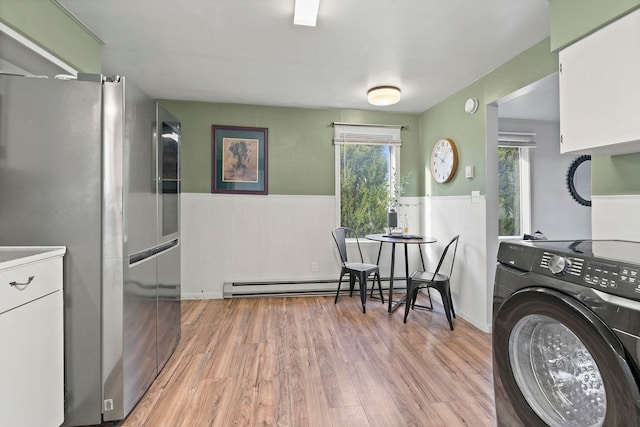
(93, 164)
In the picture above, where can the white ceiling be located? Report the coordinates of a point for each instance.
(249, 51)
(539, 101)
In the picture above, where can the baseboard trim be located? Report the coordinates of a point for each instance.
(201, 295)
(296, 288)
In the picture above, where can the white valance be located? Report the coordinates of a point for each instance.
(517, 139)
(346, 133)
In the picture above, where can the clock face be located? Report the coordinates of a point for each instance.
(444, 160)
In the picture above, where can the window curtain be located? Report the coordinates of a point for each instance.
(367, 134)
(517, 139)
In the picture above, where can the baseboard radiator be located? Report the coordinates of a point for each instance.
(299, 288)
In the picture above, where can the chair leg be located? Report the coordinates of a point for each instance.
(379, 287)
(352, 282)
(408, 299)
(376, 277)
(446, 303)
(414, 296)
(338, 291)
(447, 311)
(363, 291)
(451, 304)
(416, 291)
(430, 301)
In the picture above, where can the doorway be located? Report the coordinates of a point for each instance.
(530, 120)
(534, 111)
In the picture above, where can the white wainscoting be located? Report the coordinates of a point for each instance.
(615, 217)
(444, 218)
(231, 238)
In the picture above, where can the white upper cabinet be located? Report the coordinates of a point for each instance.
(600, 90)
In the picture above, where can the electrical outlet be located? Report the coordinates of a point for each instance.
(314, 267)
(475, 197)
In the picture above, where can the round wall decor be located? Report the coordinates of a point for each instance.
(579, 180)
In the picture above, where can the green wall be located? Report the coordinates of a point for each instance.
(448, 119)
(301, 156)
(611, 175)
(300, 149)
(49, 26)
(573, 19)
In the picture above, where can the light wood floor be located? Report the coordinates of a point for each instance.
(307, 362)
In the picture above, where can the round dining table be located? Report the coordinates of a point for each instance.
(406, 240)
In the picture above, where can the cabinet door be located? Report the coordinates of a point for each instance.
(31, 364)
(600, 90)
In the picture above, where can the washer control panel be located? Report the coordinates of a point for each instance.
(612, 278)
(561, 265)
(611, 266)
(607, 276)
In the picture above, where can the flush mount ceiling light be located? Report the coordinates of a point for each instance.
(382, 96)
(306, 12)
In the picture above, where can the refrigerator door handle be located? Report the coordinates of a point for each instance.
(165, 246)
(148, 253)
(140, 256)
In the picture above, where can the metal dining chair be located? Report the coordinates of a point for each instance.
(356, 270)
(434, 280)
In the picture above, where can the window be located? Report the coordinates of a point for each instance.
(366, 158)
(514, 200)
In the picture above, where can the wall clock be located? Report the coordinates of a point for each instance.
(444, 160)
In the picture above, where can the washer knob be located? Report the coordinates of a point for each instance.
(559, 265)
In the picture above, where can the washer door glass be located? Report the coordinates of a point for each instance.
(556, 373)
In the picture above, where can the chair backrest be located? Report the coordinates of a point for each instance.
(340, 235)
(454, 243)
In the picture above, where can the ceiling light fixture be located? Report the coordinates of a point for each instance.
(382, 96)
(306, 12)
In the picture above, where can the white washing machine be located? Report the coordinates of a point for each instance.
(566, 333)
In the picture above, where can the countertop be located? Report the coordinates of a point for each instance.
(12, 256)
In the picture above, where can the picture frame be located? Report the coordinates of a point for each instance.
(239, 160)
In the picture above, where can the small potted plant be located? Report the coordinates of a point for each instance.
(397, 188)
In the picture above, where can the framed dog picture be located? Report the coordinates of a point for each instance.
(239, 160)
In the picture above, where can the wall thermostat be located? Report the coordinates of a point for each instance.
(468, 171)
(471, 105)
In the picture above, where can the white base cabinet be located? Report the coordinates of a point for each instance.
(31, 329)
(600, 90)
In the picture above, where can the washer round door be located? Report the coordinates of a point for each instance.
(560, 364)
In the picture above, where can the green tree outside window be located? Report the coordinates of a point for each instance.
(364, 187)
(509, 191)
